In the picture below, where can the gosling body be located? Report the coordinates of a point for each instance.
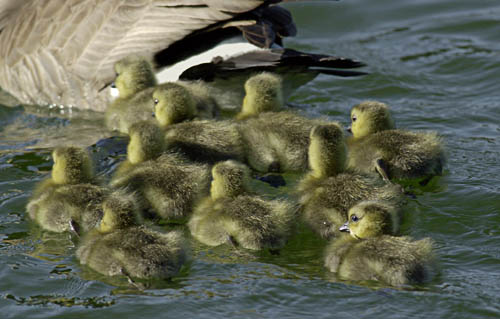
(69, 198)
(376, 146)
(206, 106)
(167, 185)
(328, 190)
(263, 93)
(135, 82)
(206, 141)
(199, 140)
(121, 246)
(372, 253)
(275, 141)
(233, 215)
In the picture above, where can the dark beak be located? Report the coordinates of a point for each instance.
(106, 85)
(349, 129)
(153, 114)
(345, 228)
(74, 227)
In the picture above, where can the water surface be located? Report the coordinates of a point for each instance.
(436, 63)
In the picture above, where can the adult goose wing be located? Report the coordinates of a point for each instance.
(62, 52)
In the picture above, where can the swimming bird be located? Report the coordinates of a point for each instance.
(206, 141)
(232, 214)
(263, 93)
(70, 199)
(275, 140)
(135, 81)
(377, 146)
(54, 53)
(371, 252)
(166, 184)
(122, 246)
(329, 189)
(146, 142)
(176, 102)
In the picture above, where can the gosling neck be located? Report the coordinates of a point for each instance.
(324, 162)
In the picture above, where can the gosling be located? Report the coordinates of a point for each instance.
(263, 93)
(275, 141)
(121, 246)
(231, 214)
(69, 199)
(199, 140)
(328, 190)
(395, 154)
(135, 81)
(372, 253)
(166, 184)
(181, 101)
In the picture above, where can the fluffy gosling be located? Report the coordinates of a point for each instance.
(135, 80)
(395, 154)
(167, 184)
(69, 199)
(372, 253)
(120, 246)
(263, 93)
(328, 190)
(233, 215)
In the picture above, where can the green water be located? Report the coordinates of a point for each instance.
(436, 63)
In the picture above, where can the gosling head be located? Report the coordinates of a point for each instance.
(327, 150)
(263, 93)
(372, 218)
(72, 165)
(173, 104)
(370, 117)
(146, 142)
(230, 178)
(133, 74)
(120, 211)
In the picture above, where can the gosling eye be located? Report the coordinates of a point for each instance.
(156, 101)
(354, 218)
(354, 118)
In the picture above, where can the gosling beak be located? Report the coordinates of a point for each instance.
(349, 129)
(345, 228)
(153, 114)
(105, 86)
(74, 227)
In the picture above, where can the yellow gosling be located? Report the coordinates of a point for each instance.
(328, 190)
(274, 141)
(135, 80)
(146, 143)
(231, 214)
(263, 93)
(371, 253)
(167, 185)
(68, 199)
(121, 246)
(277, 141)
(199, 140)
(376, 145)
